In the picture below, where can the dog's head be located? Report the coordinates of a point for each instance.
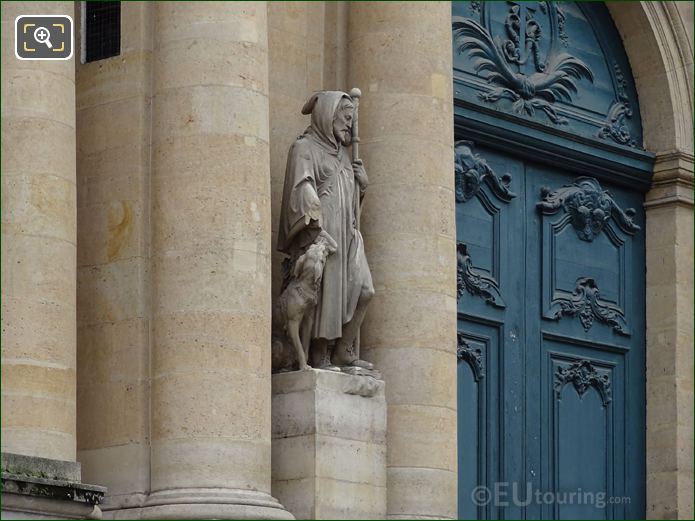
(328, 241)
(311, 263)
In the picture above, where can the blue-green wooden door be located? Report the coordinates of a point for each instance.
(551, 265)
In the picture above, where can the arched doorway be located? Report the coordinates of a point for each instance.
(550, 181)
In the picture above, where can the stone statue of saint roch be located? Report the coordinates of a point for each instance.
(322, 196)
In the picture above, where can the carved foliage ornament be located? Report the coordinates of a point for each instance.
(472, 171)
(616, 126)
(501, 61)
(589, 207)
(473, 280)
(471, 355)
(586, 303)
(583, 375)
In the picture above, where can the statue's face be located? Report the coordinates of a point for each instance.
(342, 122)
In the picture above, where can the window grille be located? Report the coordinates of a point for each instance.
(102, 30)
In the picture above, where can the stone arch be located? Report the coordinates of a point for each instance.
(661, 53)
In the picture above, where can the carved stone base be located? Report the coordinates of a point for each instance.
(329, 445)
(205, 503)
(40, 488)
(361, 371)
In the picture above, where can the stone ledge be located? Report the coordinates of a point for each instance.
(16, 506)
(312, 379)
(46, 488)
(673, 165)
(21, 465)
(52, 488)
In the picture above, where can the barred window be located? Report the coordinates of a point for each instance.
(102, 30)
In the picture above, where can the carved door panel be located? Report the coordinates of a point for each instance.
(550, 342)
(584, 345)
(490, 388)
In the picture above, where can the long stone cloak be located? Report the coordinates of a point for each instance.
(320, 186)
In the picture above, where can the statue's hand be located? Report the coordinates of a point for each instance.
(360, 173)
(312, 214)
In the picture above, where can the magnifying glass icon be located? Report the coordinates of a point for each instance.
(42, 35)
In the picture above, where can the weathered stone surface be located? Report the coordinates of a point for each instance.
(38, 246)
(406, 133)
(20, 465)
(18, 506)
(210, 264)
(113, 98)
(34, 487)
(329, 445)
(328, 282)
(669, 439)
(307, 51)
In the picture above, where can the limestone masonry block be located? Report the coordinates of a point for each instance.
(329, 445)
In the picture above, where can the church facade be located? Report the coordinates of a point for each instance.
(527, 223)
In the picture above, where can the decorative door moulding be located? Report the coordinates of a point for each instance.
(473, 356)
(595, 216)
(586, 303)
(472, 170)
(555, 73)
(475, 179)
(475, 281)
(583, 375)
(589, 207)
(538, 61)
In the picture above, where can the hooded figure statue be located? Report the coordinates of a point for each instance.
(322, 192)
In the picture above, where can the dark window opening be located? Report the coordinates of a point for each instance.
(102, 30)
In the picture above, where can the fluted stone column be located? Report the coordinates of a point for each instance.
(400, 56)
(211, 263)
(38, 247)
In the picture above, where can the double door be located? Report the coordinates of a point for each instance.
(551, 345)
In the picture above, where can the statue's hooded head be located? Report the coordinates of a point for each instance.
(331, 117)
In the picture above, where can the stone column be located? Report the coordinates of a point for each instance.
(400, 56)
(38, 247)
(211, 263)
(39, 284)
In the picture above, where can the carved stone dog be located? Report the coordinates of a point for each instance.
(294, 308)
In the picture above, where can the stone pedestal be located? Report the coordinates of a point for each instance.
(329, 445)
(41, 488)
